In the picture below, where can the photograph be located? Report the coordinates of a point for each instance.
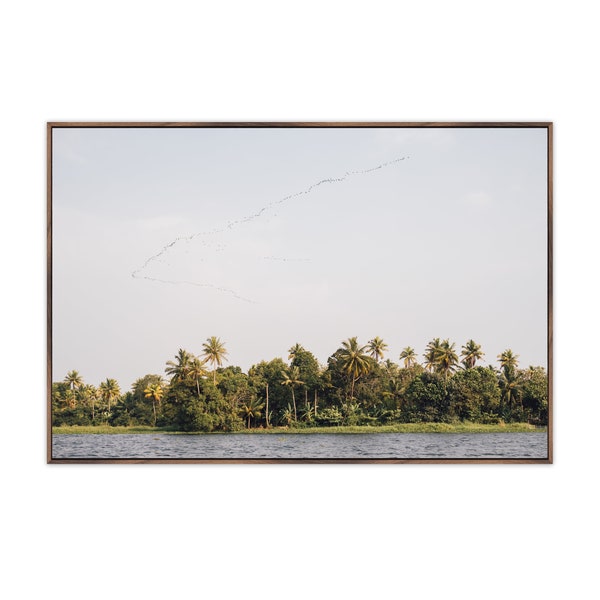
(288, 292)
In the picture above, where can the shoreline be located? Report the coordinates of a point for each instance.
(340, 429)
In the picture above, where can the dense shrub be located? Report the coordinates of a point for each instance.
(426, 400)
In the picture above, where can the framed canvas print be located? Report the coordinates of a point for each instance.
(300, 292)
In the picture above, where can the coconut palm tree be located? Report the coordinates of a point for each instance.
(197, 371)
(74, 380)
(409, 356)
(70, 398)
(431, 352)
(354, 361)
(94, 395)
(376, 348)
(215, 353)
(109, 390)
(89, 395)
(446, 358)
(267, 403)
(508, 361)
(154, 391)
(294, 351)
(180, 368)
(292, 378)
(510, 387)
(390, 366)
(251, 409)
(471, 353)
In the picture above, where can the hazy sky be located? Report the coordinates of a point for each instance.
(447, 239)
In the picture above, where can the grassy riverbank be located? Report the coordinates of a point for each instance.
(347, 429)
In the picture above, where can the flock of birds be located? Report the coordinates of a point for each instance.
(139, 272)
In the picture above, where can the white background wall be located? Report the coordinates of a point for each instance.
(298, 531)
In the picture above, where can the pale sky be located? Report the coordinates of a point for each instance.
(447, 239)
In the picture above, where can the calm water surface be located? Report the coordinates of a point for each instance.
(294, 446)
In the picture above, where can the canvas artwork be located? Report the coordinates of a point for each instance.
(293, 292)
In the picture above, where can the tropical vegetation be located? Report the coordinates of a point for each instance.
(357, 387)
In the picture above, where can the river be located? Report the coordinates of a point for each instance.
(530, 445)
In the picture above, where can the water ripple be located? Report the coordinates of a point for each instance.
(295, 446)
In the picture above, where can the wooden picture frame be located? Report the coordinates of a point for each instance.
(124, 197)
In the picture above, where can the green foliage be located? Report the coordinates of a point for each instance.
(376, 348)
(214, 352)
(192, 416)
(251, 408)
(353, 415)
(307, 365)
(430, 354)
(471, 353)
(426, 399)
(440, 357)
(329, 416)
(390, 416)
(73, 380)
(291, 378)
(267, 374)
(335, 380)
(354, 390)
(534, 389)
(409, 356)
(109, 393)
(511, 405)
(234, 385)
(135, 408)
(508, 362)
(209, 412)
(308, 413)
(71, 416)
(287, 417)
(178, 369)
(473, 393)
(354, 361)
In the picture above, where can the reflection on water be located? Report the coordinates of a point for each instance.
(298, 446)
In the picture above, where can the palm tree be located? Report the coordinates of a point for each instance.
(409, 356)
(292, 378)
(308, 413)
(354, 361)
(155, 392)
(294, 351)
(179, 370)
(251, 408)
(94, 394)
(446, 358)
(508, 360)
(197, 371)
(376, 348)
(431, 352)
(471, 353)
(74, 380)
(510, 387)
(215, 353)
(89, 394)
(70, 398)
(109, 390)
(267, 403)
(390, 366)
(288, 415)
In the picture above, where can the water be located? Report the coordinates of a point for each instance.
(298, 446)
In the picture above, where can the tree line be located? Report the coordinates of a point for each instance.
(357, 386)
